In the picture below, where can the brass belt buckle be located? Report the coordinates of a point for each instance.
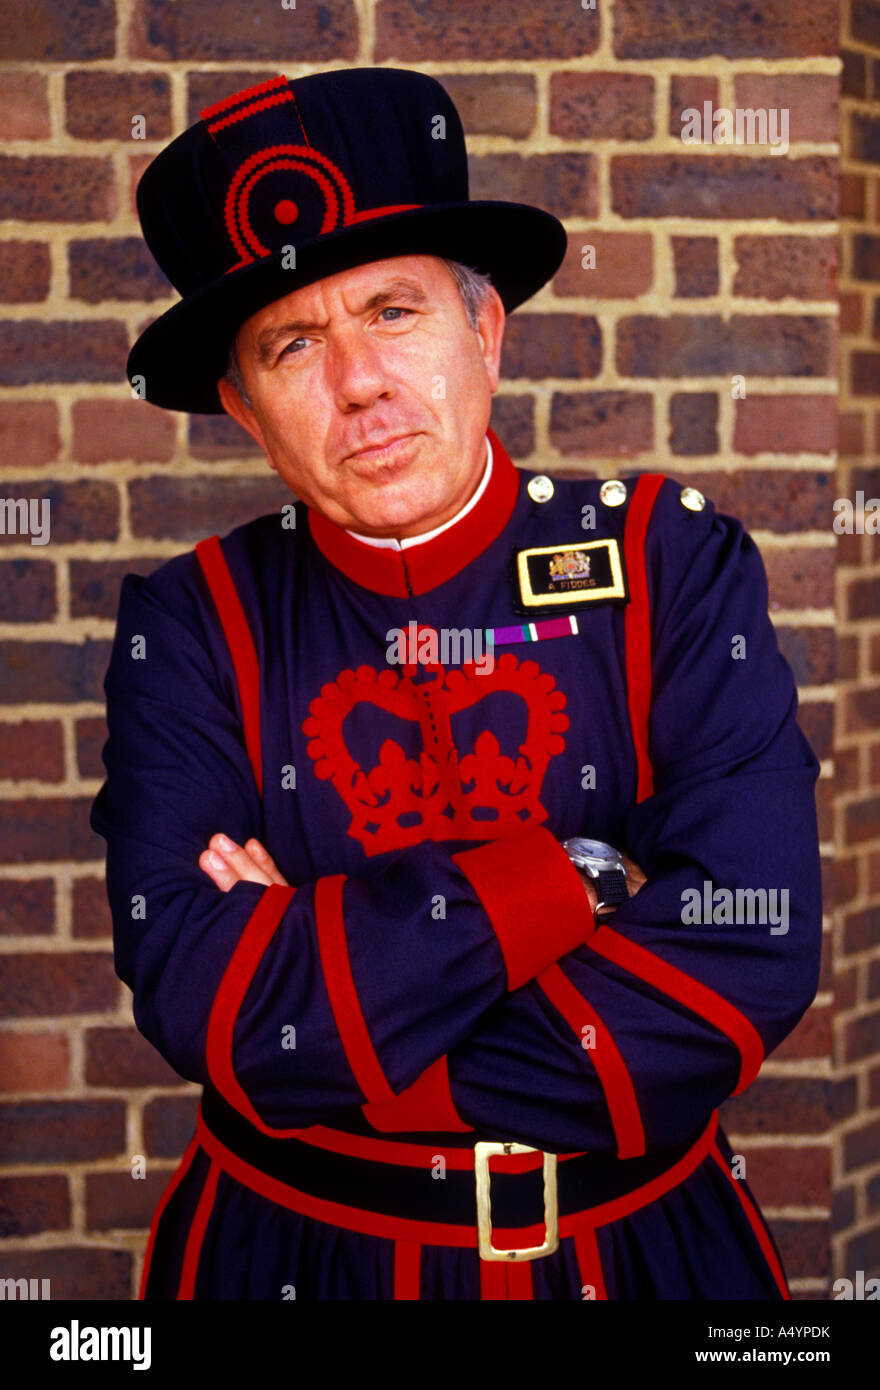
(482, 1153)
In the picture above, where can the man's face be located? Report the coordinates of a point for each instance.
(371, 394)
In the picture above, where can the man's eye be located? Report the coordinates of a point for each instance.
(394, 309)
(289, 347)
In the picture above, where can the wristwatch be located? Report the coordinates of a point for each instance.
(601, 863)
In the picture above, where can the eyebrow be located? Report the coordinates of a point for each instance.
(409, 290)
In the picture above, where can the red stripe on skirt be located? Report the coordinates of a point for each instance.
(407, 1269)
(180, 1173)
(586, 1248)
(197, 1234)
(756, 1223)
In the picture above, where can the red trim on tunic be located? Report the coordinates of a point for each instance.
(426, 1104)
(195, 1239)
(405, 1155)
(686, 990)
(407, 1270)
(373, 1223)
(610, 1067)
(252, 944)
(534, 898)
(342, 992)
(241, 645)
(493, 1280)
(756, 1223)
(179, 1174)
(433, 562)
(637, 624)
(519, 1279)
(586, 1248)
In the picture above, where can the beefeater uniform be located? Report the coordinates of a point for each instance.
(434, 980)
(436, 957)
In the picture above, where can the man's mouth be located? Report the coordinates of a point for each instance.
(388, 452)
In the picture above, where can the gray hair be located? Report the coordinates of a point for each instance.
(472, 286)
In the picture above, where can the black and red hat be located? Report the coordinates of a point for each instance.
(291, 181)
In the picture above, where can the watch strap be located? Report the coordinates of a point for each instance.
(611, 887)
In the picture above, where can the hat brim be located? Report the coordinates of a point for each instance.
(181, 356)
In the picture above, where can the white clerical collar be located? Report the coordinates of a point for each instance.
(391, 542)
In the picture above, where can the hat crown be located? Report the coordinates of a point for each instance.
(287, 163)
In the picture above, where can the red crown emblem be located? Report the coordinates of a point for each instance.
(483, 795)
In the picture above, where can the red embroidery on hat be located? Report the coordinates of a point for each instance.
(338, 196)
(238, 97)
(248, 111)
(381, 212)
(286, 211)
(402, 801)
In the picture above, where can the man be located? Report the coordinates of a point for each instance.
(454, 808)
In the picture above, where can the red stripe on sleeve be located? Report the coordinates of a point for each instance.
(426, 1104)
(610, 1067)
(686, 990)
(241, 646)
(755, 1222)
(259, 930)
(344, 1001)
(534, 897)
(637, 624)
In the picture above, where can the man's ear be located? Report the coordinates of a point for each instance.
(234, 405)
(490, 330)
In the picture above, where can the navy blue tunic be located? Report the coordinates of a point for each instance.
(434, 977)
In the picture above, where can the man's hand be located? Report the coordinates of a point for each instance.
(634, 880)
(226, 863)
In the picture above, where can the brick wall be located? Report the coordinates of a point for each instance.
(712, 263)
(857, 746)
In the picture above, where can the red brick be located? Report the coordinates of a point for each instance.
(24, 106)
(865, 253)
(225, 30)
(851, 424)
(863, 1252)
(551, 345)
(864, 22)
(86, 1273)
(811, 1037)
(219, 437)
(114, 268)
(169, 1123)
(686, 91)
(862, 710)
(853, 75)
(781, 1175)
(52, 671)
(122, 1057)
(190, 508)
(809, 652)
(693, 29)
(513, 420)
(100, 105)
(864, 137)
(77, 31)
(624, 265)
(693, 422)
(616, 424)
(816, 721)
(32, 1204)
(847, 776)
(56, 188)
(31, 350)
(37, 984)
(61, 1131)
(44, 828)
(709, 345)
(207, 88)
(29, 432)
(27, 906)
(873, 980)
(805, 1247)
(566, 184)
(696, 266)
(78, 511)
(520, 29)
(91, 911)
(844, 1098)
(864, 373)
(811, 99)
(845, 988)
(786, 424)
(34, 1061)
(862, 820)
(27, 590)
(137, 163)
(32, 747)
(861, 1146)
(781, 1105)
(863, 594)
(602, 105)
(109, 431)
(852, 195)
(724, 186)
(117, 1201)
(497, 103)
(24, 272)
(90, 736)
(845, 882)
(779, 267)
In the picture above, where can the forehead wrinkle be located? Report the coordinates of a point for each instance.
(399, 288)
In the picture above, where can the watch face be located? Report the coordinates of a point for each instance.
(592, 855)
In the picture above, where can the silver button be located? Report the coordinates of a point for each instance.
(613, 493)
(692, 499)
(540, 488)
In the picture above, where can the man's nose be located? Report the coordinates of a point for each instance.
(358, 372)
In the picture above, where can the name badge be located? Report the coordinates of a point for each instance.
(548, 576)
